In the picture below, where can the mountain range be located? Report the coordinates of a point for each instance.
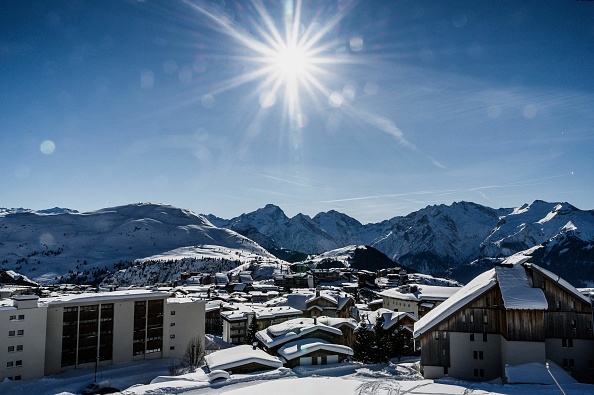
(141, 242)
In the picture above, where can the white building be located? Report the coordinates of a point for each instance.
(48, 336)
(416, 299)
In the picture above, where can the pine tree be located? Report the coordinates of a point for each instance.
(398, 346)
(251, 332)
(381, 341)
(362, 347)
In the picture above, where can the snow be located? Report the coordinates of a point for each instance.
(391, 318)
(302, 347)
(536, 373)
(290, 330)
(343, 379)
(517, 290)
(424, 292)
(561, 282)
(241, 355)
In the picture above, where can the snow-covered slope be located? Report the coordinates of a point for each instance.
(435, 239)
(46, 246)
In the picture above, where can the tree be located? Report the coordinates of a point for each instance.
(398, 344)
(194, 355)
(252, 330)
(362, 347)
(381, 341)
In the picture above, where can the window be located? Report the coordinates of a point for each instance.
(9, 364)
(18, 377)
(10, 348)
(172, 324)
(478, 355)
(172, 336)
(20, 332)
(573, 305)
(472, 319)
(11, 333)
(567, 343)
(172, 312)
(21, 316)
(472, 337)
(479, 372)
(558, 305)
(573, 326)
(485, 319)
(436, 335)
(172, 348)
(564, 362)
(484, 337)
(19, 347)
(463, 318)
(12, 318)
(20, 362)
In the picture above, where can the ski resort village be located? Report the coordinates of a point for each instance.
(209, 310)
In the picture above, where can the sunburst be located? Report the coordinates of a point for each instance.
(290, 60)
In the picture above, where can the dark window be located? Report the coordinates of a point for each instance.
(172, 336)
(22, 316)
(476, 372)
(445, 370)
(9, 364)
(472, 337)
(19, 347)
(564, 362)
(20, 363)
(564, 343)
(11, 333)
(10, 348)
(482, 372)
(172, 324)
(172, 347)
(172, 312)
(18, 377)
(484, 337)
(436, 335)
(12, 318)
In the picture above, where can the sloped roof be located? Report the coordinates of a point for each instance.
(517, 290)
(303, 347)
(240, 355)
(391, 318)
(290, 330)
(469, 292)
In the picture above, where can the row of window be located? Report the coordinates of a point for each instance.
(17, 377)
(485, 319)
(19, 317)
(19, 332)
(17, 348)
(12, 364)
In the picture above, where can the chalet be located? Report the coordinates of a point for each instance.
(304, 341)
(241, 360)
(513, 314)
(415, 298)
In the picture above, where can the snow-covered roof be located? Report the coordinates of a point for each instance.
(423, 293)
(474, 288)
(101, 296)
(240, 355)
(303, 347)
(517, 290)
(290, 330)
(241, 310)
(391, 318)
(561, 282)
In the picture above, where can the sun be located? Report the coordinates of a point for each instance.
(291, 62)
(290, 59)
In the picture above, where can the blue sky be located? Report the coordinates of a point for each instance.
(405, 104)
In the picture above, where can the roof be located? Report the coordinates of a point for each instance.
(469, 292)
(423, 293)
(516, 287)
(241, 355)
(517, 290)
(290, 330)
(391, 318)
(303, 347)
(561, 282)
(106, 296)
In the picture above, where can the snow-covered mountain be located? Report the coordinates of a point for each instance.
(438, 239)
(46, 246)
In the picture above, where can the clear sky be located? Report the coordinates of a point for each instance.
(372, 108)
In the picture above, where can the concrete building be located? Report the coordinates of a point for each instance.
(22, 335)
(415, 299)
(95, 329)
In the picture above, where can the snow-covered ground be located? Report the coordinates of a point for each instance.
(343, 379)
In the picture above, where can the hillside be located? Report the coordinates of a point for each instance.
(82, 246)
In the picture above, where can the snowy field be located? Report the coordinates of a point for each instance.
(341, 379)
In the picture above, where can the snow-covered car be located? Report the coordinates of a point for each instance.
(102, 387)
(217, 375)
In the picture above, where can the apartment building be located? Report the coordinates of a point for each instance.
(49, 336)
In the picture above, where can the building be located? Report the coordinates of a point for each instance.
(241, 360)
(237, 317)
(304, 341)
(513, 314)
(23, 324)
(49, 336)
(415, 298)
